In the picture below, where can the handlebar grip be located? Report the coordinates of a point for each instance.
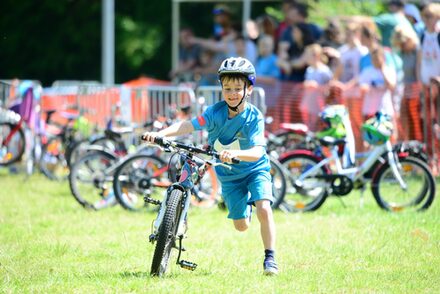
(158, 141)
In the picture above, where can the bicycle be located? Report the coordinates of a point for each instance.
(170, 225)
(390, 169)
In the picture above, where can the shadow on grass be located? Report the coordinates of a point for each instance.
(135, 274)
(140, 274)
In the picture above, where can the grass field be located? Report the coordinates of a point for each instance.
(48, 243)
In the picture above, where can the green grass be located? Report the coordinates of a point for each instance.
(48, 243)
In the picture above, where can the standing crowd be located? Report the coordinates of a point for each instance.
(388, 57)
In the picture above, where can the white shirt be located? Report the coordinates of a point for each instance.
(430, 50)
(350, 60)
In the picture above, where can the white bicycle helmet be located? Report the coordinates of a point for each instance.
(239, 66)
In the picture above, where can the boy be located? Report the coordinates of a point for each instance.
(236, 130)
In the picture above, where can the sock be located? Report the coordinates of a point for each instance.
(268, 253)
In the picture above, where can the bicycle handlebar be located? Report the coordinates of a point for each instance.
(167, 143)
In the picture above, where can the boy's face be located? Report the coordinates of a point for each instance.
(233, 90)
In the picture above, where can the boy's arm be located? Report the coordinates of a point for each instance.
(177, 129)
(249, 155)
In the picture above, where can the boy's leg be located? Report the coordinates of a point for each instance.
(260, 186)
(267, 224)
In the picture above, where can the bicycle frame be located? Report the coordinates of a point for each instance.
(357, 173)
(190, 175)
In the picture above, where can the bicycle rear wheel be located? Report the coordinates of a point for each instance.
(313, 192)
(89, 180)
(13, 150)
(418, 195)
(136, 176)
(53, 163)
(166, 238)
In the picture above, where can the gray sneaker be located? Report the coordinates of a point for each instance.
(270, 267)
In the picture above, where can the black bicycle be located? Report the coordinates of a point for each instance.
(169, 227)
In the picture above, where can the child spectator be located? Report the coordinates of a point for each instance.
(318, 74)
(351, 53)
(378, 81)
(266, 66)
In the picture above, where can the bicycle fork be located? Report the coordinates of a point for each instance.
(395, 168)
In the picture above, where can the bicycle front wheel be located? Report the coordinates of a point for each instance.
(278, 182)
(420, 187)
(13, 150)
(166, 238)
(313, 192)
(136, 177)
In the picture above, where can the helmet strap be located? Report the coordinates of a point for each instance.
(235, 108)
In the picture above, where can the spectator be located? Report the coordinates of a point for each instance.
(406, 43)
(205, 74)
(429, 65)
(317, 75)
(222, 21)
(378, 81)
(243, 47)
(388, 21)
(350, 54)
(290, 52)
(188, 56)
(298, 13)
(412, 13)
(429, 56)
(286, 22)
(332, 38)
(333, 35)
(267, 25)
(266, 66)
(317, 71)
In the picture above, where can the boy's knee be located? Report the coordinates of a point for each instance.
(241, 225)
(264, 210)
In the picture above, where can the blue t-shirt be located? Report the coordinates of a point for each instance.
(267, 66)
(241, 132)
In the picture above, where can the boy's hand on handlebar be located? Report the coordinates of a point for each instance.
(150, 136)
(227, 156)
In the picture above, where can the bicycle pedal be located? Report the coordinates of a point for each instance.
(150, 200)
(187, 265)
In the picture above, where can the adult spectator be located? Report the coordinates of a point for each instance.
(429, 56)
(290, 52)
(205, 73)
(298, 13)
(406, 43)
(222, 21)
(286, 22)
(388, 21)
(188, 56)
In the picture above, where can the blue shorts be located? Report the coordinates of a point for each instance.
(238, 194)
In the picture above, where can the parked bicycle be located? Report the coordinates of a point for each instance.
(400, 179)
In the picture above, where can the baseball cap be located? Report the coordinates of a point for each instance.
(221, 9)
